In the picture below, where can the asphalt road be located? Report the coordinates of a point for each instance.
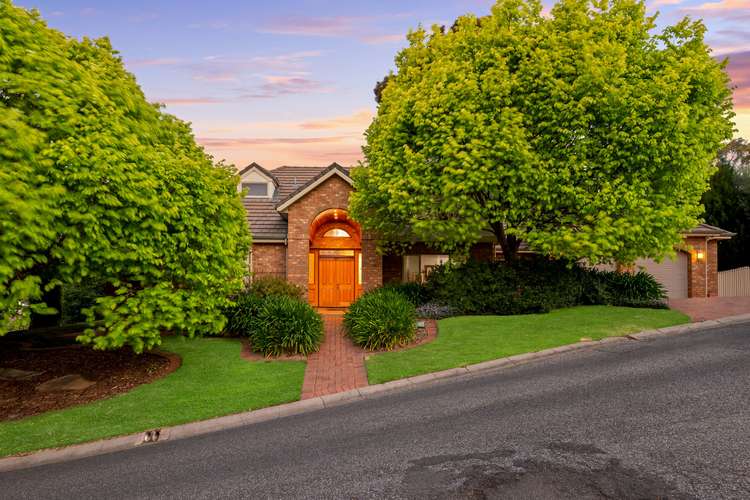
(662, 418)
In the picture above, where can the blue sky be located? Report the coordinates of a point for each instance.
(290, 82)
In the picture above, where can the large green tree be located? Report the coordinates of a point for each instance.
(96, 181)
(584, 133)
(728, 203)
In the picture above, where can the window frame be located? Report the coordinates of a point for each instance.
(246, 187)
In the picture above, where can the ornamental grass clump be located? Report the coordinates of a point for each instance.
(381, 319)
(284, 325)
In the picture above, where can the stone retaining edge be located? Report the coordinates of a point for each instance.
(122, 443)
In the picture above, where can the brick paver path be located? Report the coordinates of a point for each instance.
(338, 366)
(703, 309)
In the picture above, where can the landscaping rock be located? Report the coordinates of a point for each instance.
(13, 374)
(71, 382)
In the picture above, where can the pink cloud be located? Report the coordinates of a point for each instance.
(189, 101)
(360, 27)
(281, 85)
(314, 26)
(226, 69)
(723, 5)
(382, 39)
(158, 61)
(739, 71)
(730, 10)
(214, 142)
(359, 119)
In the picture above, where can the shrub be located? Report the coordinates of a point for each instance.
(242, 313)
(433, 310)
(631, 290)
(285, 325)
(414, 292)
(271, 285)
(529, 286)
(381, 319)
(536, 285)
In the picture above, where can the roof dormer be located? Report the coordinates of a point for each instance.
(257, 182)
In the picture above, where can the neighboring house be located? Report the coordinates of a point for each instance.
(302, 232)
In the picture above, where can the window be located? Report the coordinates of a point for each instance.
(256, 189)
(418, 267)
(359, 268)
(311, 268)
(337, 253)
(336, 233)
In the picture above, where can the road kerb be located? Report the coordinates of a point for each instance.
(192, 429)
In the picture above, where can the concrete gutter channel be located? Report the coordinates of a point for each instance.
(73, 452)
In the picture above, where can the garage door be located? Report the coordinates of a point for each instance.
(671, 273)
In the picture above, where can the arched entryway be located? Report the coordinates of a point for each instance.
(335, 259)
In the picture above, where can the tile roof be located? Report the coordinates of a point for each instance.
(709, 230)
(265, 222)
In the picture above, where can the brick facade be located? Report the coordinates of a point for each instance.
(703, 271)
(333, 193)
(268, 259)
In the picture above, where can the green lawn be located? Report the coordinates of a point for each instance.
(212, 381)
(465, 340)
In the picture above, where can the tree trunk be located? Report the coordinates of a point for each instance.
(508, 243)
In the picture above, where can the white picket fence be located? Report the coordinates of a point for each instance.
(735, 282)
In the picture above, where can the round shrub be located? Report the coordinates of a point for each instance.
(271, 285)
(381, 319)
(285, 325)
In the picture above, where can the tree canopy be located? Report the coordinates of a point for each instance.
(728, 203)
(583, 132)
(95, 180)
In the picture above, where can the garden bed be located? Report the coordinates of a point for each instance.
(108, 372)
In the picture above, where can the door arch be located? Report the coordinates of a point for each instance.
(335, 260)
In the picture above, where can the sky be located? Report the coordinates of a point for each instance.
(289, 82)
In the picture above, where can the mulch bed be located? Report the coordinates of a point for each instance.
(114, 372)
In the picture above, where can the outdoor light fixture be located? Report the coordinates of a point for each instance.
(699, 256)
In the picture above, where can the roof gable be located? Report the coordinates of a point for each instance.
(334, 169)
(254, 167)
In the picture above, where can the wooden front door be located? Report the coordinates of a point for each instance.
(335, 281)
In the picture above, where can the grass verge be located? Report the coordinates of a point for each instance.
(465, 340)
(212, 381)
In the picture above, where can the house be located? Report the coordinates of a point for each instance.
(302, 232)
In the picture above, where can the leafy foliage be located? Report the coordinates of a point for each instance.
(728, 203)
(77, 297)
(535, 286)
(96, 180)
(414, 292)
(267, 286)
(381, 319)
(242, 313)
(582, 132)
(285, 325)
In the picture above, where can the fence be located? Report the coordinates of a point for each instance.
(735, 282)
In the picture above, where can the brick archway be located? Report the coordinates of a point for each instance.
(334, 260)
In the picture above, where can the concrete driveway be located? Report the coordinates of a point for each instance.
(665, 417)
(709, 308)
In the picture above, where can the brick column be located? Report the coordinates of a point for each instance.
(697, 267)
(372, 263)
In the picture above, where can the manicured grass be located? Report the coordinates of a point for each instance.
(465, 340)
(212, 381)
